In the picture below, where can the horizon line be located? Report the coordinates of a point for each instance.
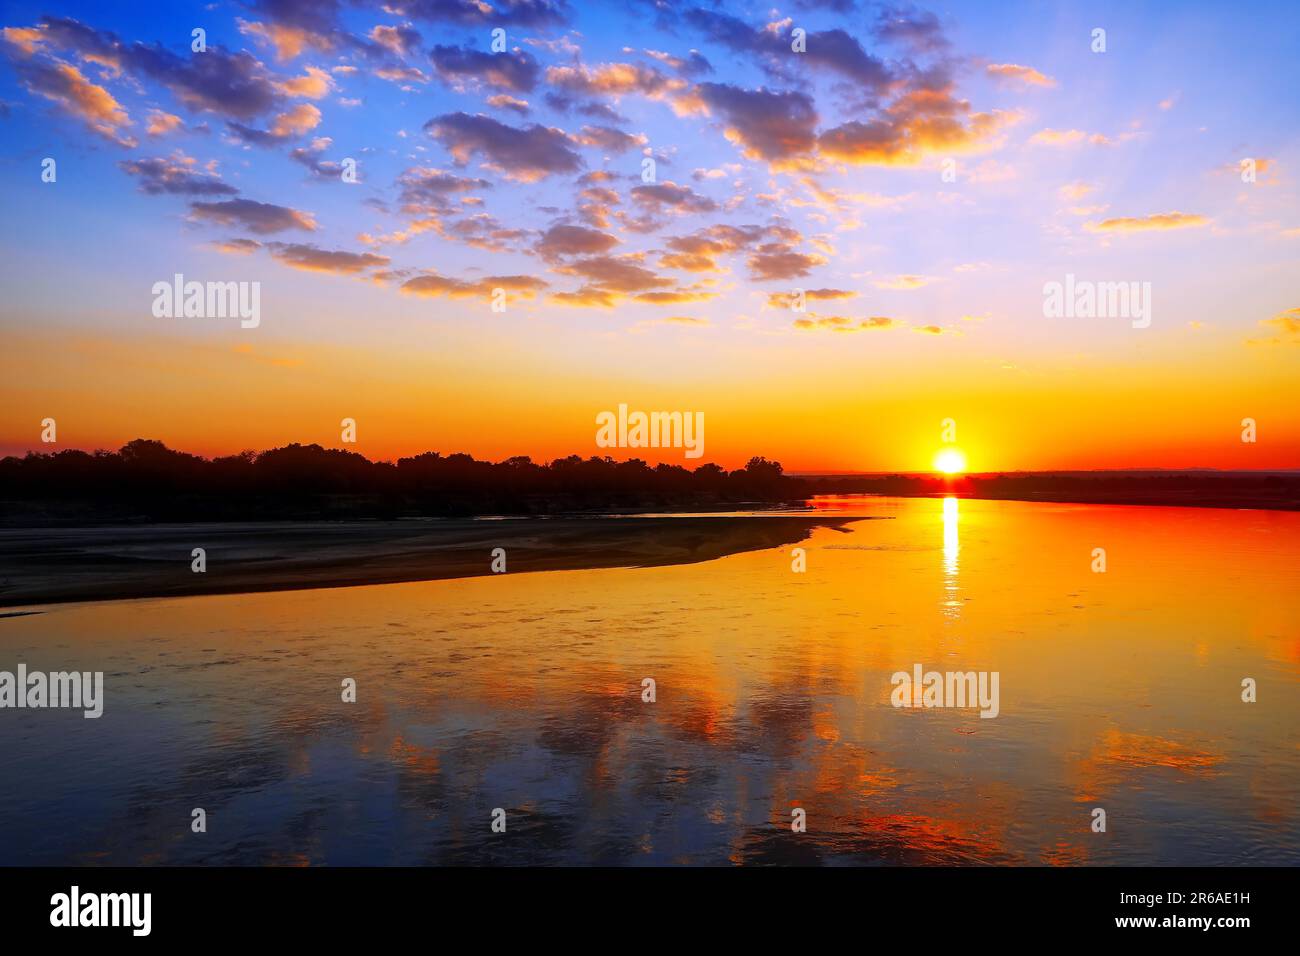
(798, 473)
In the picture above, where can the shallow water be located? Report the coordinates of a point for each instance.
(523, 692)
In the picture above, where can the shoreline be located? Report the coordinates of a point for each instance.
(109, 563)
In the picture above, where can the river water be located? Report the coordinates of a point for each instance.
(1119, 690)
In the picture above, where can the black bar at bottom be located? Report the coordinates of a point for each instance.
(341, 905)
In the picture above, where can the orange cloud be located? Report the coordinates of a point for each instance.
(1166, 220)
(287, 41)
(301, 119)
(1288, 326)
(783, 300)
(26, 39)
(309, 258)
(1068, 137)
(903, 282)
(431, 285)
(161, 123)
(840, 323)
(919, 124)
(313, 85)
(1016, 73)
(93, 105)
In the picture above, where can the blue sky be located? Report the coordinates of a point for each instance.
(775, 170)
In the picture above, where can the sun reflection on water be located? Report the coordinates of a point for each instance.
(951, 548)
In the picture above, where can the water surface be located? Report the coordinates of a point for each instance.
(524, 692)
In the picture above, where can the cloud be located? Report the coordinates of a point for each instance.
(560, 241)
(483, 232)
(920, 123)
(293, 25)
(1157, 221)
(237, 247)
(777, 260)
(594, 205)
(26, 39)
(523, 154)
(776, 127)
(234, 85)
(301, 119)
(288, 125)
(423, 187)
(1023, 75)
(432, 285)
(503, 101)
(1068, 137)
(610, 139)
(288, 42)
(401, 75)
(177, 175)
(1287, 325)
(257, 217)
(840, 323)
(784, 300)
(903, 282)
(77, 96)
(917, 30)
(699, 251)
(613, 79)
(692, 65)
(313, 85)
(669, 195)
(834, 51)
(400, 40)
(310, 156)
(426, 196)
(520, 13)
(309, 258)
(161, 123)
(229, 84)
(1073, 192)
(675, 297)
(615, 273)
(587, 297)
(514, 72)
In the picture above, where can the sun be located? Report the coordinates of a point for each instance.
(950, 461)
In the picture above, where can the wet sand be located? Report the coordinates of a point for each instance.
(46, 566)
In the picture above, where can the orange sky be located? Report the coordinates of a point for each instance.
(652, 212)
(214, 398)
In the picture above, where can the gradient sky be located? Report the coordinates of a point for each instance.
(775, 170)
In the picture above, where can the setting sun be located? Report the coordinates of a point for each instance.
(950, 461)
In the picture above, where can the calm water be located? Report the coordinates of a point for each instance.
(1118, 690)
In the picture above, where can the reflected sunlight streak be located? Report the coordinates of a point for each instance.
(951, 546)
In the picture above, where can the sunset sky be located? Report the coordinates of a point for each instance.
(774, 171)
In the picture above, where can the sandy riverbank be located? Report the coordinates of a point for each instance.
(40, 566)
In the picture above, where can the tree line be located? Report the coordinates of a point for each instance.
(147, 479)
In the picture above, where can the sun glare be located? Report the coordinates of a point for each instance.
(950, 461)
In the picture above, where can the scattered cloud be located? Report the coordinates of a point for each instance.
(309, 258)
(1020, 75)
(1157, 221)
(524, 154)
(257, 217)
(178, 175)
